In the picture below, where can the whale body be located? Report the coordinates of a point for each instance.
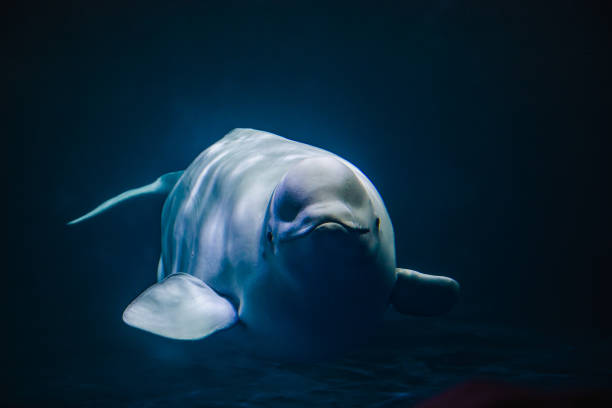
(289, 241)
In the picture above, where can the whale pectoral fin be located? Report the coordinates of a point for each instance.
(419, 294)
(180, 307)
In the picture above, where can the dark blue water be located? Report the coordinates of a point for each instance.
(411, 360)
(483, 125)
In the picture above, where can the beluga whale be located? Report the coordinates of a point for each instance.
(288, 241)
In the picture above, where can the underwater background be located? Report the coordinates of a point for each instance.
(483, 125)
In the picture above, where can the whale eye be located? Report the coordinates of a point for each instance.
(269, 236)
(377, 223)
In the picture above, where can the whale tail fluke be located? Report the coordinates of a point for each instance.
(162, 185)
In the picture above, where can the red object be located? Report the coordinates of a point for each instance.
(481, 394)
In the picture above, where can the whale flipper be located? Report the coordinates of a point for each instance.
(419, 294)
(180, 307)
(162, 185)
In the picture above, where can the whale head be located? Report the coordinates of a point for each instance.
(321, 239)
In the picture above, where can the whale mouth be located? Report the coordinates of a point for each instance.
(334, 225)
(330, 224)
